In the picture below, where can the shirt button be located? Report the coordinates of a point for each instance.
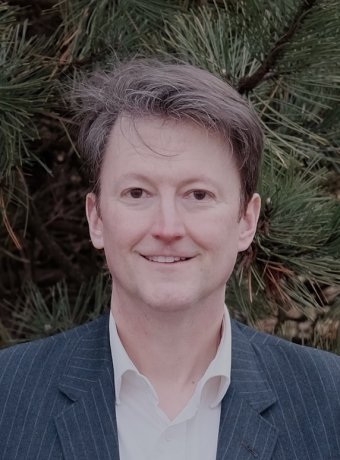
(172, 433)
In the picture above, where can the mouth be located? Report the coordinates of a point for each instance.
(166, 259)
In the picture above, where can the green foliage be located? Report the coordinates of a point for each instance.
(297, 246)
(267, 40)
(283, 56)
(40, 314)
(24, 85)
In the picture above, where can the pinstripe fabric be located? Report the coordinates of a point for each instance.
(57, 399)
(283, 401)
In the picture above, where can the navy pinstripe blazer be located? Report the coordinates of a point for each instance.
(57, 399)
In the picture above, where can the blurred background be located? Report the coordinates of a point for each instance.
(284, 56)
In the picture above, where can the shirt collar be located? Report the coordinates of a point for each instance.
(120, 359)
(220, 366)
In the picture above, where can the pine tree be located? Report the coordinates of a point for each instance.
(283, 56)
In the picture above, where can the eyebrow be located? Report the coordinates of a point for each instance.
(144, 178)
(134, 176)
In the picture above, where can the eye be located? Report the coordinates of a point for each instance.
(200, 195)
(136, 193)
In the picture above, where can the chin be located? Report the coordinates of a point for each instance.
(169, 302)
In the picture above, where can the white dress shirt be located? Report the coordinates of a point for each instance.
(144, 430)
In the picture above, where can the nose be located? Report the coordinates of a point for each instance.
(168, 223)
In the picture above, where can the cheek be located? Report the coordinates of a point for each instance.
(216, 232)
(124, 229)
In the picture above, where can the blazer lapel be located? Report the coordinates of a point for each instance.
(244, 434)
(87, 428)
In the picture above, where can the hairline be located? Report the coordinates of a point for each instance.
(173, 90)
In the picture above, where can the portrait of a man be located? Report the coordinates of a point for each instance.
(174, 154)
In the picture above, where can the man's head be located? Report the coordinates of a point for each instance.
(173, 152)
(181, 92)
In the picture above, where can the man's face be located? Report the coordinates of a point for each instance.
(169, 214)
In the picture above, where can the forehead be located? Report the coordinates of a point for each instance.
(167, 153)
(164, 138)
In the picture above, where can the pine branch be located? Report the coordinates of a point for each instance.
(24, 90)
(52, 247)
(247, 84)
(38, 313)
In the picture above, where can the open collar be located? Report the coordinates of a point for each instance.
(87, 427)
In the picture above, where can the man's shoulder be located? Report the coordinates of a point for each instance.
(271, 344)
(52, 353)
(302, 385)
(40, 379)
(280, 357)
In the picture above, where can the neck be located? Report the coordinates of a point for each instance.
(171, 348)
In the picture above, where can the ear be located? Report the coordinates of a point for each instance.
(248, 222)
(94, 220)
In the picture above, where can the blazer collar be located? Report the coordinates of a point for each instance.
(243, 432)
(87, 428)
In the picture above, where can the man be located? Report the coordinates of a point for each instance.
(174, 155)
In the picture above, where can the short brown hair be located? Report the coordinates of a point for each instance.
(179, 91)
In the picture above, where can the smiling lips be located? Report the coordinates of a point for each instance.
(166, 259)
